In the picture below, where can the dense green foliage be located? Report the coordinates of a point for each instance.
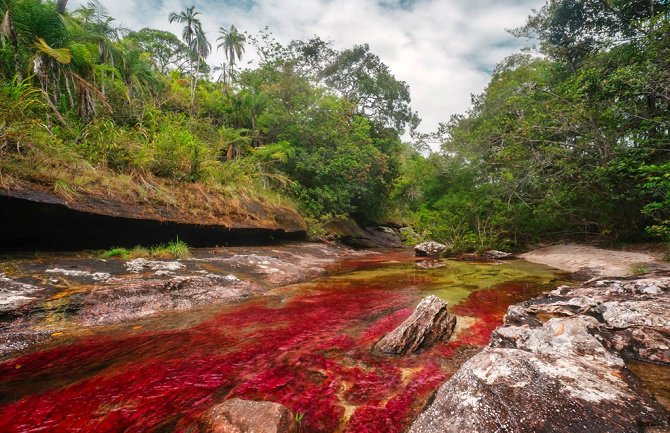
(569, 139)
(573, 141)
(87, 103)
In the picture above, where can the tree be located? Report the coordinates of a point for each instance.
(165, 49)
(574, 142)
(571, 30)
(232, 43)
(8, 31)
(194, 37)
(361, 76)
(61, 6)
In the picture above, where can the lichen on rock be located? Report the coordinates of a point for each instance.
(557, 365)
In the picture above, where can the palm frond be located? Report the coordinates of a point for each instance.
(61, 55)
(6, 27)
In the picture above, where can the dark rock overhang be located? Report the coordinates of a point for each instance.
(37, 220)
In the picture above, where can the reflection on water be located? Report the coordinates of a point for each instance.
(306, 346)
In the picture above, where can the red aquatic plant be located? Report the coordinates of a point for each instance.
(310, 353)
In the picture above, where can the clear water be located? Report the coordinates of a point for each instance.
(305, 346)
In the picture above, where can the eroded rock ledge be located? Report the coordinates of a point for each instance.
(36, 218)
(557, 365)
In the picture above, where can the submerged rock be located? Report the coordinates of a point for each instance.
(14, 294)
(107, 305)
(430, 264)
(430, 322)
(557, 365)
(246, 416)
(430, 249)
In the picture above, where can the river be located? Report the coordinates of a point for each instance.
(305, 345)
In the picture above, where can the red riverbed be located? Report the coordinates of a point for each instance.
(309, 352)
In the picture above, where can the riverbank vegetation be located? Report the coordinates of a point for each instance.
(175, 249)
(569, 139)
(91, 107)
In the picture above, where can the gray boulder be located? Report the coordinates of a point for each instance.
(513, 390)
(430, 322)
(497, 255)
(557, 365)
(429, 249)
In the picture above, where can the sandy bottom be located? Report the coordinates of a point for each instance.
(600, 262)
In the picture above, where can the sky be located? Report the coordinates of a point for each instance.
(444, 49)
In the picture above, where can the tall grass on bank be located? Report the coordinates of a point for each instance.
(175, 249)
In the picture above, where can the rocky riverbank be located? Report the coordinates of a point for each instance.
(61, 296)
(558, 364)
(34, 217)
(585, 261)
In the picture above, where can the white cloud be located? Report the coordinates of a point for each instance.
(442, 48)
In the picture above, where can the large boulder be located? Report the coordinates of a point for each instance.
(497, 255)
(430, 322)
(430, 249)
(633, 314)
(350, 233)
(557, 365)
(513, 390)
(246, 416)
(388, 237)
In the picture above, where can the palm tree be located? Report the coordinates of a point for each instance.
(61, 6)
(232, 42)
(195, 38)
(38, 33)
(223, 75)
(97, 26)
(8, 31)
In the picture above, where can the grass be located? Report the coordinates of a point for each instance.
(638, 269)
(176, 249)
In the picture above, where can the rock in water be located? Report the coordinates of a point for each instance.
(557, 365)
(429, 323)
(246, 416)
(515, 391)
(430, 249)
(497, 255)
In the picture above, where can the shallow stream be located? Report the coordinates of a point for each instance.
(305, 345)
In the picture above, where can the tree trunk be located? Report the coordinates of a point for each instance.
(15, 43)
(195, 85)
(62, 4)
(69, 91)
